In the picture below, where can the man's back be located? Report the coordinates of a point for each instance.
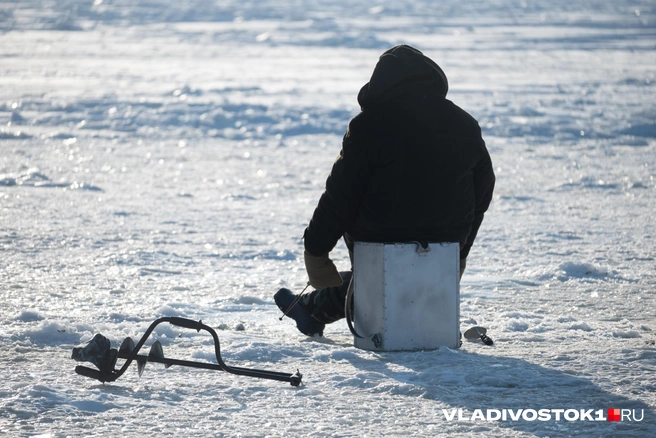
(423, 150)
(413, 165)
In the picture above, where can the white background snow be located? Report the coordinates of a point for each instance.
(162, 158)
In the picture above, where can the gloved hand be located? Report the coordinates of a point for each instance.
(321, 271)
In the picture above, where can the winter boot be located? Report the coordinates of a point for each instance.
(305, 323)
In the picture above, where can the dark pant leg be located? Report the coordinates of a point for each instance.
(327, 305)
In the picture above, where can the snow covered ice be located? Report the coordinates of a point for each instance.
(162, 158)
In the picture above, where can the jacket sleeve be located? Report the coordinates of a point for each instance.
(345, 188)
(484, 180)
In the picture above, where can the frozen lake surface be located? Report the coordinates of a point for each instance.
(162, 158)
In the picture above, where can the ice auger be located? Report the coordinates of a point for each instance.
(99, 352)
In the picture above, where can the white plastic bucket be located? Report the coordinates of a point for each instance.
(406, 297)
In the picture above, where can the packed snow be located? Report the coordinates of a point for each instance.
(162, 158)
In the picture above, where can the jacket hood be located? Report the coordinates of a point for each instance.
(402, 70)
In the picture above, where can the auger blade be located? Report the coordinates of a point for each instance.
(126, 348)
(156, 351)
(141, 364)
(98, 351)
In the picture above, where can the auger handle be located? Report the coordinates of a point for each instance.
(186, 323)
(94, 374)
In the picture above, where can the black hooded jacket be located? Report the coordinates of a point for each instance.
(413, 165)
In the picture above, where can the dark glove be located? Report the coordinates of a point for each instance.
(321, 271)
